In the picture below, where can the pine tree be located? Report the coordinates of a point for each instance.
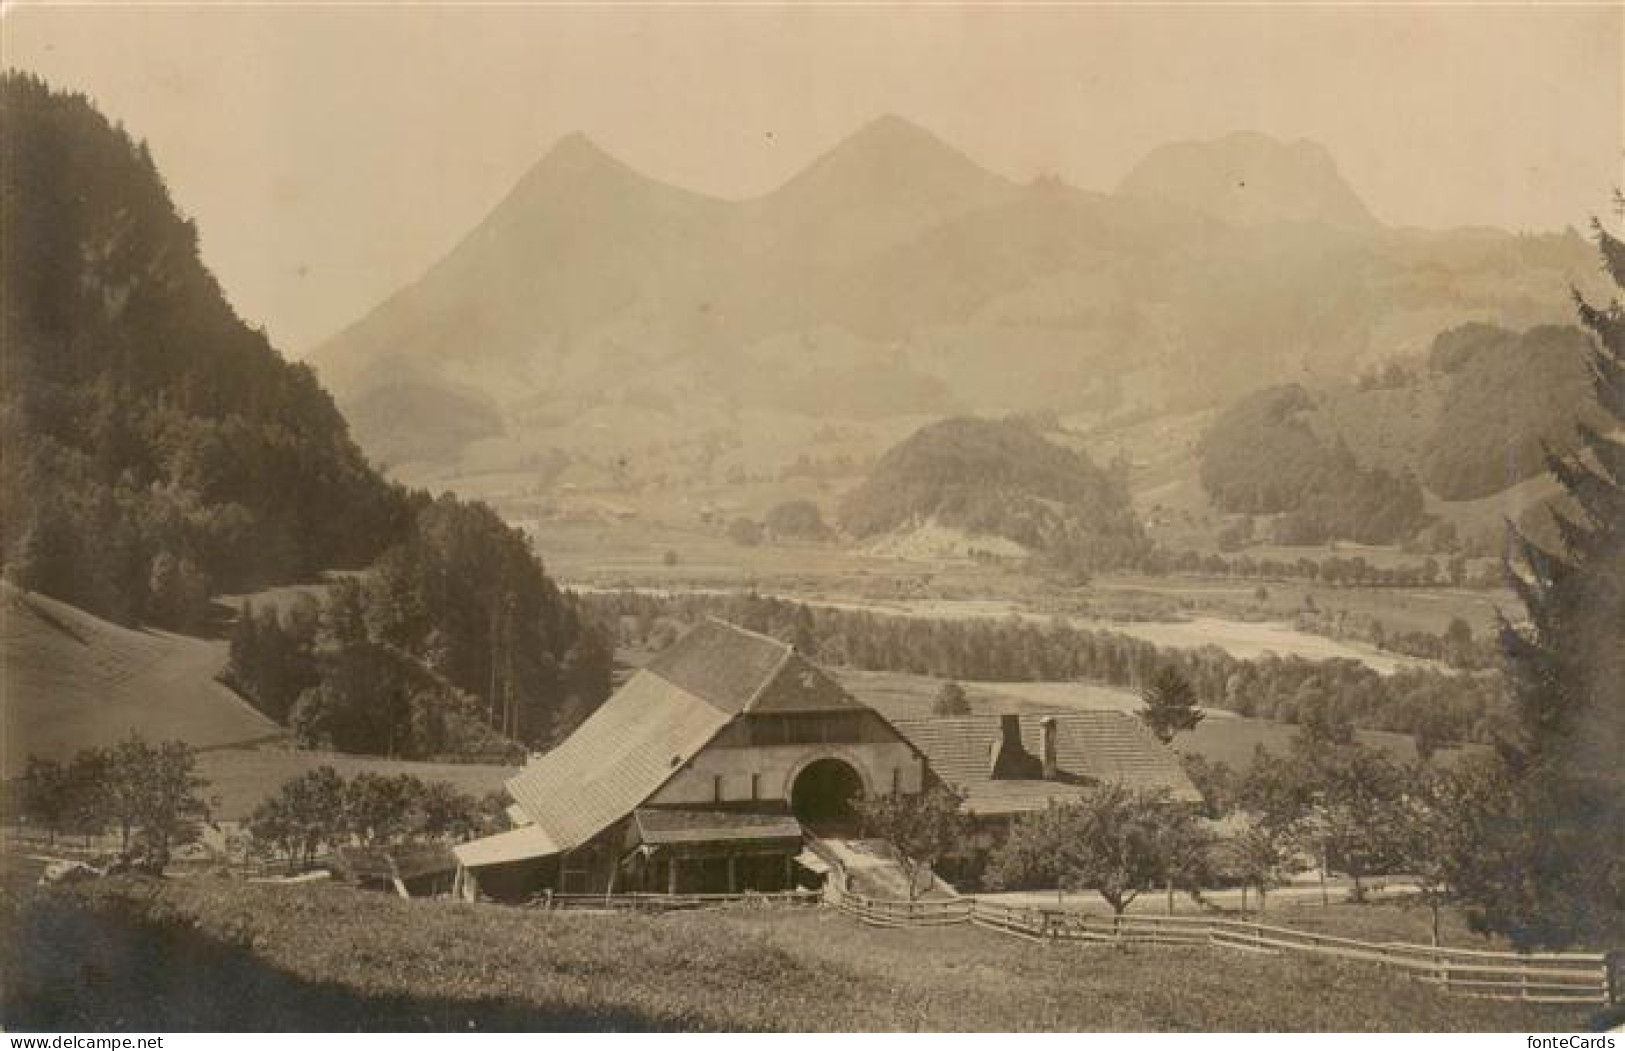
(1558, 835)
(1170, 704)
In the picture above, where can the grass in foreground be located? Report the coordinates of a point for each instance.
(212, 954)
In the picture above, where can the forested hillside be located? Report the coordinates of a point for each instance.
(157, 448)
(1509, 394)
(1261, 456)
(159, 451)
(1001, 478)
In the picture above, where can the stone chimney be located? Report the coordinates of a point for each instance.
(1046, 747)
(1008, 757)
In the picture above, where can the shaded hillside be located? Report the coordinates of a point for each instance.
(1470, 418)
(1262, 457)
(69, 680)
(1510, 397)
(159, 451)
(1004, 479)
(157, 447)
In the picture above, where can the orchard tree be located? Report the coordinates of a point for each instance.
(1114, 841)
(380, 809)
(306, 815)
(921, 829)
(46, 797)
(1360, 799)
(1263, 857)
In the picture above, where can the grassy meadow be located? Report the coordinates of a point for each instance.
(207, 953)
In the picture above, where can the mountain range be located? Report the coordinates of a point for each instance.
(600, 318)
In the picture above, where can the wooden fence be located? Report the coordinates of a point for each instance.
(1551, 978)
(640, 902)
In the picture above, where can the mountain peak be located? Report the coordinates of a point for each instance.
(898, 147)
(1249, 178)
(891, 126)
(577, 152)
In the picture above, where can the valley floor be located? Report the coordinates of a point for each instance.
(205, 953)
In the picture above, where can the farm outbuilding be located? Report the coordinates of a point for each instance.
(713, 766)
(703, 773)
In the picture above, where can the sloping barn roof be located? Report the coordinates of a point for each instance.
(616, 759)
(1090, 748)
(658, 721)
(724, 664)
(519, 844)
(656, 826)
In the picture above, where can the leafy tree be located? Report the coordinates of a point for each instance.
(1219, 784)
(796, 520)
(1112, 841)
(921, 829)
(951, 699)
(46, 798)
(1437, 831)
(745, 532)
(87, 774)
(1360, 803)
(1170, 704)
(1559, 829)
(1337, 798)
(151, 790)
(306, 814)
(380, 809)
(444, 812)
(1184, 850)
(1263, 856)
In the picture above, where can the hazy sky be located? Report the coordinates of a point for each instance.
(329, 154)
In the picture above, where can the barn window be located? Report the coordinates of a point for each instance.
(716, 788)
(755, 786)
(896, 780)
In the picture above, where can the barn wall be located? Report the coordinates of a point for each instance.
(776, 768)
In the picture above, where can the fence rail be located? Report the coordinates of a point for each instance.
(643, 902)
(1566, 978)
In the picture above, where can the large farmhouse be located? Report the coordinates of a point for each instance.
(711, 768)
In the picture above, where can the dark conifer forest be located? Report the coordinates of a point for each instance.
(159, 451)
(158, 448)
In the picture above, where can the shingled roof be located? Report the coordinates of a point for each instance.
(657, 826)
(658, 721)
(1091, 748)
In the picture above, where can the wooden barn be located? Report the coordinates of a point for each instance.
(710, 768)
(703, 773)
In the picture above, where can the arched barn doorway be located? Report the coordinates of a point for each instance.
(823, 793)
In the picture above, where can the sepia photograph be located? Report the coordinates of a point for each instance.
(769, 517)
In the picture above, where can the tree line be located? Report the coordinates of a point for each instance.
(149, 794)
(1440, 706)
(320, 810)
(456, 643)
